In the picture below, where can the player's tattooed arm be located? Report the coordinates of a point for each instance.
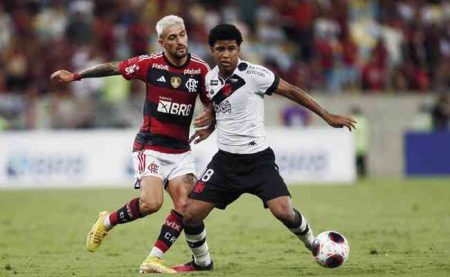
(301, 97)
(101, 70)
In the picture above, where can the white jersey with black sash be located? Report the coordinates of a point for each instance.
(239, 105)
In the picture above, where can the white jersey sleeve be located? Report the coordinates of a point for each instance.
(263, 79)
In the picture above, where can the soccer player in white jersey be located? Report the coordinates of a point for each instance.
(244, 163)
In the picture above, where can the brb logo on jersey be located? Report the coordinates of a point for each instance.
(170, 107)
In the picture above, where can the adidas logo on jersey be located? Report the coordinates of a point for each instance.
(161, 79)
(252, 143)
(174, 108)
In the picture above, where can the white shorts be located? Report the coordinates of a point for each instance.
(162, 165)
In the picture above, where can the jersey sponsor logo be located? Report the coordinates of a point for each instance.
(143, 57)
(132, 68)
(214, 82)
(192, 71)
(224, 107)
(170, 107)
(256, 72)
(175, 82)
(191, 85)
(161, 79)
(160, 66)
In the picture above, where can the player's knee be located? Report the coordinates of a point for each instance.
(283, 212)
(191, 219)
(149, 206)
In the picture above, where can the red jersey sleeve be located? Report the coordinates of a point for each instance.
(135, 68)
(203, 92)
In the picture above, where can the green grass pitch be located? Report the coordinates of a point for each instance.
(395, 228)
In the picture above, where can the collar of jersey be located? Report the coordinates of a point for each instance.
(177, 66)
(224, 80)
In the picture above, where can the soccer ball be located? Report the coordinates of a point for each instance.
(330, 249)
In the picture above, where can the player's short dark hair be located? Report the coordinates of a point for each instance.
(224, 32)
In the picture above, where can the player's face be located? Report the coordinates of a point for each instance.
(174, 40)
(226, 55)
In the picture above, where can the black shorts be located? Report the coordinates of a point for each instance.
(229, 175)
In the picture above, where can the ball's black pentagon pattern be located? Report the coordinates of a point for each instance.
(334, 261)
(337, 238)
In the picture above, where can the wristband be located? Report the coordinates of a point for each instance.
(76, 76)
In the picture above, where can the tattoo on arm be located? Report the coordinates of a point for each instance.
(101, 70)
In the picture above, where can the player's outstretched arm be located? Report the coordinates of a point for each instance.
(100, 70)
(301, 97)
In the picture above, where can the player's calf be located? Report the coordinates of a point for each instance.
(300, 227)
(128, 213)
(170, 231)
(196, 240)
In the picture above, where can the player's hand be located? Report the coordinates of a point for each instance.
(62, 76)
(339, 121)
(200, 135)
(205, 118)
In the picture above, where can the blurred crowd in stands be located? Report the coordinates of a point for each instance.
(324, 46)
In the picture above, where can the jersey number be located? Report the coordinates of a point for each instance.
(207, 175)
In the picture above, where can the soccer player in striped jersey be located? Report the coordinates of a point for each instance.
(161, 151)
(244, 163)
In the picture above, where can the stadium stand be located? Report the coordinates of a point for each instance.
(327, 47)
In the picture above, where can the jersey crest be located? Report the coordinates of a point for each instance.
(232, 84)
(191, 85)
(175, 81)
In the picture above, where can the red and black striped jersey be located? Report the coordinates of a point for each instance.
(171, 92)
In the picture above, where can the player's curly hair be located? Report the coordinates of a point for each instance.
(224, 32)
